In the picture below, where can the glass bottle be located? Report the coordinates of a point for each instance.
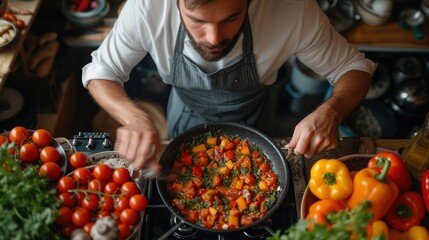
(416, 153)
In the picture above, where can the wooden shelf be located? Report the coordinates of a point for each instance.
(390, 37)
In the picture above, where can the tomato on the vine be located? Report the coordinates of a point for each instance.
(102, 172)
(96, 185)
(90, 202)
(121, 175)
(138, 202)
(19, 135)
(81, 216)
(67, 199)
(129, 216)
(122, 203)
(66, 183)
(111, 188)
(106, 203)
(49, 154)
(87, 227)
(29, 153)
(68, 229)
(124, 231)
(64, 216)
(78, 159)
(130, 188)
(41, 137)
(51, 170)
(82, 175)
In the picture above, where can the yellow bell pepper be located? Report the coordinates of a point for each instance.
(330, 178)
(415, 233)
(377, 228)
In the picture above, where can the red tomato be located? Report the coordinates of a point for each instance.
(87, 227)
(81, 195)
(66, 183)
(67, 199)
(129, 216)
(64, 216)
(102, 214)
(29, 153)
(78, 160)
(3, 139)
(121, 175)
(81, 216)
(67, 230)
(111, 188)
(10, 17)
(96, 185)
(18, 135)
(130, 189)
(41, 137)
(20, 24)
(138, 202)
(51, 170)
(106, 203)
(49, 154)
(122, 203)
(102, 172)
(125, 231)
(90, 202)
(82, 175)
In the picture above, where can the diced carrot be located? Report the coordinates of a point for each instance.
(199, 148)
(212, 141)
(241, 204)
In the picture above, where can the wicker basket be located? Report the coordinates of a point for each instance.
(86, 19)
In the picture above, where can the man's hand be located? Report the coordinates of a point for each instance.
(139, 144)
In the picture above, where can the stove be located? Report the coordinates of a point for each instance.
(160, 223)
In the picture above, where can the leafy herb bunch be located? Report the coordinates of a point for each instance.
(28, 207)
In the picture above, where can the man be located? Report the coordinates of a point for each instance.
(222, 57)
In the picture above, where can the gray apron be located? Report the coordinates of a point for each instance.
(232, 94)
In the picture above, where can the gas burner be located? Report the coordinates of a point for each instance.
(184, 231)
(257, 232)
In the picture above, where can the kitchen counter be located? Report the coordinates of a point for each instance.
(8, 55)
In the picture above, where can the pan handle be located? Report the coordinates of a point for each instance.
(289, 152)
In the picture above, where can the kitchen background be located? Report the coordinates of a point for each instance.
(53, 98)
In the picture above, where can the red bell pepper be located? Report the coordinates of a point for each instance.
(424, 182)
(407, 211)
(83, 5)
(398, 172)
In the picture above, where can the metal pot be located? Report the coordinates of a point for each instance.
(270, 149)
(411, 98)
(407, 68)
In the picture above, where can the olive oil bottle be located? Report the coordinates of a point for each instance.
(416, 153)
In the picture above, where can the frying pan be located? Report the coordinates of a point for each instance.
(270, 149)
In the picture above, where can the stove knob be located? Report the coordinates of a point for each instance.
(106, 143)
(75, 142)
(91, 144)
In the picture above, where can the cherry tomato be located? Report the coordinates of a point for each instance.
(78, 159)
(29, 153)
(122, 203)
(81, 195)
(111, 188)
(129, 216)
(5, 140)
(125, 231)
(130, 189)
(66, 183)
(49, 154)
(96, 185)
(18, 135)
(90, 202)
(138, 202)
(81, 216)
(82, 175)
(41, 137)
(64, 216)
(67, 230)
(106, 203)
(102, 172)
(10, 17)
(20, 24)
(102, 214)
(67, 199)
(121, 175)
(87, 227)
(51, 170)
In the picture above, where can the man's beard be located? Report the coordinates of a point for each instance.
(203, 48)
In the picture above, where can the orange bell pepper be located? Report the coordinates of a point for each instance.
(320, 210)
(330, 178)
(407, 211)
(369, 184)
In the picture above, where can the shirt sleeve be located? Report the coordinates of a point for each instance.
(326, 51)
(121, 50)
